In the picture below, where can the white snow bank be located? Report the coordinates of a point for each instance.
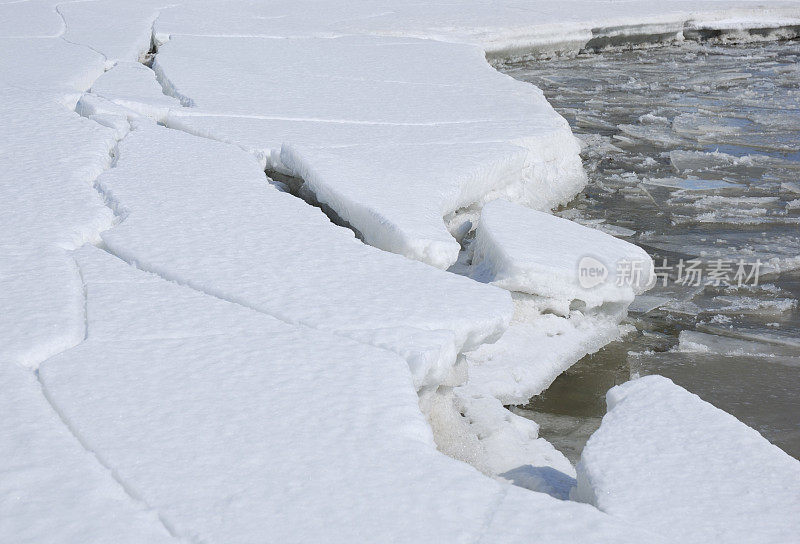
(537, 253)
(233, 426)
(52, 490)
(452, 133)
(671, 462)
(202, 213)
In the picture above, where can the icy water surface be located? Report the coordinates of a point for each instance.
(693, 152)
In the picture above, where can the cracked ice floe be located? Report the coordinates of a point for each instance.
(665, 458)
(49, 159)
(210, 413)
(52, 490)
(391, 134)
(202, 213)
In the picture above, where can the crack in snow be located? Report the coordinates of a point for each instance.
(129, 491)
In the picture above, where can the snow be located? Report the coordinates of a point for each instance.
(276, 377)
(392, 170)
(133, 86)
(163, 391)
(692, 473)
(536, 348)
(52, 490)
(533, 252)
(50, 206)
(246, 250)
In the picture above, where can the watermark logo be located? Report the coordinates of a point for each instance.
(689, 272)
(591, 272)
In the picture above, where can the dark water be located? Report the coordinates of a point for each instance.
(693, 153)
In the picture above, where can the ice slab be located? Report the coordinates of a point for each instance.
(450, 138)
(215, 423)
(202, 213)
(693, 473)
(53, 490)
(536, 348)
(537, 253)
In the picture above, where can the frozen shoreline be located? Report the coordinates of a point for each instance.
(523, 152)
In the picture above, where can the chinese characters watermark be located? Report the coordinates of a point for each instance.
(687, 272)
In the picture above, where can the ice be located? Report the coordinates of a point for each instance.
(42, 299)
(392, 170)
(210, 413)
(245, 249)
(692, 341)
(277, 393)
(52, 490)
(133, 86)
(536, 348)
(692, 473)
(536, 253)
(689, 184)
(49, 206)
(126, 39)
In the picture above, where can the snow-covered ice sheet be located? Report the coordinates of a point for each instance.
(537, 253)
(211, 413)
(689, 471)
(269, 251)
(52, 490)
(205, 411)
(504, 27)
(455, 133)
(49, 158)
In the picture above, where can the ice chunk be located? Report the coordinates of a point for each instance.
(672, 462)
(216, 424)
(52, 490)
(536, 348)
(534, 252)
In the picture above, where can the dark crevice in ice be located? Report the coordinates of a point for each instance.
(297, 187)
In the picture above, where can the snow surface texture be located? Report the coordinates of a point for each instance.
(52, 490)
(245, 249)
(679, 466)
(162, 392)
(166, 409)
